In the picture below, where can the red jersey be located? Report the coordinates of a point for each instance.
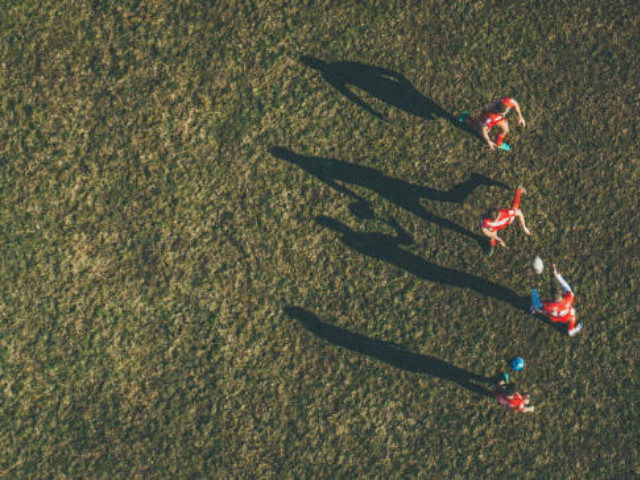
(488, 120)
(561, 311)
(515, 403)
(505, 217)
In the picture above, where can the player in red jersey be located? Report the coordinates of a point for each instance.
(559, 310)
(507, 396)
(495, 114)
(499, 218)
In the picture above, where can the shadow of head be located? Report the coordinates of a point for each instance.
(313, 62)
(282, 153)
(300, 314)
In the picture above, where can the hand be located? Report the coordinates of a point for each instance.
(492, 146)
(526, 231)
(501, 242)
(521, 121)
(555, 270)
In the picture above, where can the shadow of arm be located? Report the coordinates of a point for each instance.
(389, 73)
(355, 99)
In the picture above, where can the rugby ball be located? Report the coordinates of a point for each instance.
(537, 265)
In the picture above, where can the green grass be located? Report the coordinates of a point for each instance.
(155, 251)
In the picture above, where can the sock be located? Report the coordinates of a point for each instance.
(516, 200)
(535, 299)
(499, 139)
(492, 242)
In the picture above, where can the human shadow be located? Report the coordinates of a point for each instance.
(384, 84)
(390, 353)
(387, 248)
(403, 194)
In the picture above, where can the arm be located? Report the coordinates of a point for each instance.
(485, 134)
(522, 224)
(563, 283)
(517, 109)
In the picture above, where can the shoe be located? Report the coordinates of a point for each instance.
(462, 116)
(532, 310)
(490, 251)
(522, 189)
(575, 329)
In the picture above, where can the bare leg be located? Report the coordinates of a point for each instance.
(503, 126)
(493, 237)
(522, 224)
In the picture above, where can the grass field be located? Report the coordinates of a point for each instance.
(240, 239)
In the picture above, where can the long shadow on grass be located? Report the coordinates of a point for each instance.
(389, 352)
(381, 83)
(387, 248)
(403, 194)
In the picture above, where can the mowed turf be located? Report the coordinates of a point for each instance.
(240, 239)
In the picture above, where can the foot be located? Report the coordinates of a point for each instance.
(490, 251)
(463, 116)
(504, 146)
(523, 190)
(575, 329)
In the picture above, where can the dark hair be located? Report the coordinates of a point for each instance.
(492, 214)
(509, 389)
(498, 107)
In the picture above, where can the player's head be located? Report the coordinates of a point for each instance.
(491, 214)
(499, 108)
(509, 389)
